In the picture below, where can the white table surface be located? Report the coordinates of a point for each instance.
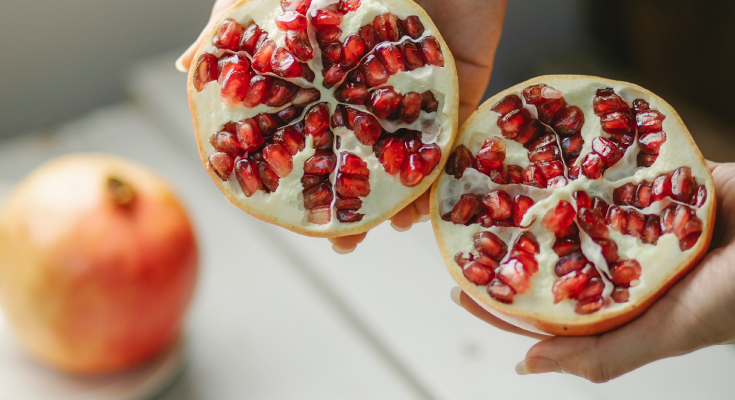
(279, 316)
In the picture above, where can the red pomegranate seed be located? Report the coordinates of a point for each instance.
(291, 139)
(529, 262)
(318, 196)
(228, 35)
(569, 285)
(600, 205)
(549, 152)
(431, 51)
(346, 6)
(352, 164)
(685, 222)
(247, 176)
(413, 27)
(332, 54)
(649, 121)
(281, 93)
(410, 107)
(682, 184)
(278, 159)
(391, 57)
(617, 123)
(428, 102)
(309, 181)
(234, 87)
(582, 199)
(328, 36)
(572, 232)
(413, 171)
(465, 208)
(320, 215)
(291, 20)
(643, 195)
(386, 27)
(640, 105)
(411, 56)
(249, 135)
(571, 147)
(353, 93)
(513, 274)
(500, 291)
(646, 160)
(349, 216)
(267, 176)
(492, 153)
(624, 272)
(491, 245)
(369, 36)
(225, 142)
(349, 185)
(652, 230)
(570, 121)
(326, 19)
(592, 291)
(322, 162)
(284, 64)
(298, 44)
(699, 197)
(266, 124)
(651, 142)
(206, 71)
(374, 71)
(300, 6)
(353, 50)
(620, 295)
(289, 114)
(305, 96)
(532, 176)
(260, 86)
(527, 243)
(478, 273)
(551, 170)
(608, 150)
(323, 141)
(589, 306)
(593, 166)
(533, 94)
(559, 218)
(636, 223)
(556, 181)
(515, 174)
(542, 141)
(507, 104)
(348, 203)
(459, 161)
(592, 222)
(250, 38)
(521, 204)
(661, 187)
(334, 75)
(316, 120)
(565, 246)
(609, 249)
(367, 129)
(384, 101)
(262, 56)
(393, 155)
(222, 164)
(432, 154)
(607, 103)
(512, 123)
(625, 195)
(689, 241)
(499, 203)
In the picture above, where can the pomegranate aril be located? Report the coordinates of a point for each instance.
(322, 162)
(327, 36)
(432, 154)
(651, 142)
(571, 232)
(608, 150)
(582, 199)
(499, 203)
(326, 19)
(352, 164)
(348, 203)
(278, 159)
(298, 44)
(617, 123)
(542, 141)
(564, 246)
(349, 185)
(413, 171)
(571, 147)
(623, 273)
(515, 174)
(267, 176)
(332, 54)
(682, 184)
(570, 121)
(685, 222)
(308, 181)
(636, 223)
(546, 153)
(291, 20)
(646, 160)
(318, 196)
(559, 218)
(689, 241)
(250, 38)
(334, 75)
(206, 71)
(367, 129)
(225, 142)
(514, 274)
(569, 285)
(607, 102)
(649, 121)
(465, 208)
(410, 140)
(491, 245)
(609, 249)
(410, 107)
(529, 132)
(431, 51)
(391, 57)
(600, 205)
(527, 243)
(652, 230)
(320, 215)
(249, 135)
(234, 87)
(429, 102)
(267, 124)
(589, 306)
(222, 164)
(513, 122)
(353, 49)
(661, 187)
(374, 71)
(412, 27)
(316, 120)
(247, 176)
(459, 161)
(346, 6)
(699, 197)
(521, 204)
(393, 155)
(571, 262)
(369, 36)
(411, 56)
(620, 295)
(284, 64)
(643, 195)
(300, 6)
(492, 153)
(263, 55)
(281, 93)
(593, 223)
(384, 101)
(386, 27)
(228, 35)
(507, 104)
(500, 291)
(257, 91)
(324, 140)
(352, 93)
(625, 195)
(532, 176)
(592, 291)
(478, 273)
(593, 166)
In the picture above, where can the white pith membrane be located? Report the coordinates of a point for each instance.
(285, 206)
(660, 263)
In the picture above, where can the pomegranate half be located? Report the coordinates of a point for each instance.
(571, 203)
(325, 117)
(98, 263)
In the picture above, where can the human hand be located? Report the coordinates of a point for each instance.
(695, 313)
(472, 30)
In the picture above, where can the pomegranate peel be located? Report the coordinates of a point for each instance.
(392, 44)
(636, 228)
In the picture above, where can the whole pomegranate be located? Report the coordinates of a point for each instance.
(98, 263)
(571, 203)
(325, 117)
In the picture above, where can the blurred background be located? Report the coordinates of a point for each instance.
(83, 75)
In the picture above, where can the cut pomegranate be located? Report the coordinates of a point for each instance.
(603, 229)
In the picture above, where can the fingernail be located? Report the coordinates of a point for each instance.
(454, 294)
(399, 229)
(424, 217)
(340, 250)
(180, 64)
(541, 365)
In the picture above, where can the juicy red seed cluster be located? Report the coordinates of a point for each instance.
(651, 136)
(496, 208)
(405, 153)
(679, 185)
(386, 103)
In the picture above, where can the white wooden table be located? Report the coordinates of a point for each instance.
(279, 316)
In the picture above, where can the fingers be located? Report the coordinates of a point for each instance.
(464, 301)
(347, 244)
(184, 62)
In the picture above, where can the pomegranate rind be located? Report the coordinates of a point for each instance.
(388, 195)
(89, 286)
(539, 314)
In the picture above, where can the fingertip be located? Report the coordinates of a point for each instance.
(455, 294)
(342, 251)
(399, 228)
(423, 204)
(538, 365)
(521, 368)
(179, 64)
(403, 220)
